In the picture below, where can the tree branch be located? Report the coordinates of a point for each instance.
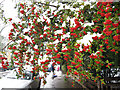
(46, 4)
(10, 42)
(6, 45)
(2, 1)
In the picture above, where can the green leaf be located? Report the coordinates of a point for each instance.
(107, 61)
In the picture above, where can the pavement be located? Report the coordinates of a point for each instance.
(58, 82)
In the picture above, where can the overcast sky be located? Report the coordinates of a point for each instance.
(9, 12)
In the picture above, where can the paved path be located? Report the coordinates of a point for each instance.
(58, 82)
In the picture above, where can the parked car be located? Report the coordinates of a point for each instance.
(27, 83)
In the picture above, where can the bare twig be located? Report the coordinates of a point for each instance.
(2, 1)
(46, 4)
(6, 45)
(99, 24)
(10, 42)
